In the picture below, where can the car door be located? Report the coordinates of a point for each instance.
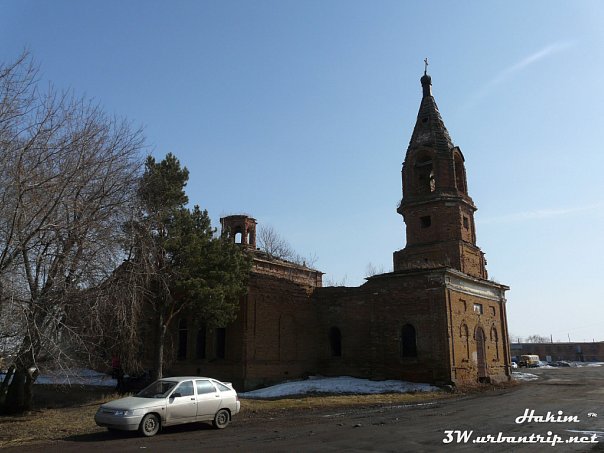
(182, 404)
(208, 399)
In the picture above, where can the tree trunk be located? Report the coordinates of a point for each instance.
(159, 346)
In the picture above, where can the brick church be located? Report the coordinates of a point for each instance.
(436, 318)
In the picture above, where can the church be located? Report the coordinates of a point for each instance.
(435, 318)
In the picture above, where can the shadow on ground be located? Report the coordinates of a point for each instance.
(108, 436)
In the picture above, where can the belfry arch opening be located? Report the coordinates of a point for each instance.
(460, 174)
(425, 179)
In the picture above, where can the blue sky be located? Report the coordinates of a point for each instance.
(299, 114)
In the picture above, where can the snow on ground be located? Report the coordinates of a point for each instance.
(74, 377)
(518, 376)
(78, 376)
(338, 385)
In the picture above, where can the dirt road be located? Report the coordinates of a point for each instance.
(563, 403)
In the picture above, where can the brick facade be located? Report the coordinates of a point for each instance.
(436, 318)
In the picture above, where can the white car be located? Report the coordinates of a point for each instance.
(171, 401)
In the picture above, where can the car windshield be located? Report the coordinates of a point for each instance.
(159, 389)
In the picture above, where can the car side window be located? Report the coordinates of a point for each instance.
(185, 388)
(223, 388)
(204, 387)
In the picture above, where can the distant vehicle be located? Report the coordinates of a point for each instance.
(529, 361)
(171, 401)
(561, 363)
(514, 365)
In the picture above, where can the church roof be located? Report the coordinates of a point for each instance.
(429, 128)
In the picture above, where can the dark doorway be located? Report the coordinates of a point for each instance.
(408, 341)
(335, 341)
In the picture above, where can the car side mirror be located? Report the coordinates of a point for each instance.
(175, 395)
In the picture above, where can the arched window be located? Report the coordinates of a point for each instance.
(465, 340)
(238, 237)
(494, 339)
(408, 341)
(335, 342)
(182, 340)
(481, 356)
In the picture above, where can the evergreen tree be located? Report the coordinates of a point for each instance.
(190, 270)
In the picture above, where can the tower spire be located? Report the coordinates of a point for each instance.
(426, 80)
(436, 207)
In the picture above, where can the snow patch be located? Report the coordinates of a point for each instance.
(79, 376)
(338, 385)
(524, 376)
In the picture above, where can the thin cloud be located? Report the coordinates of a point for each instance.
(510, 71)
(540, 214)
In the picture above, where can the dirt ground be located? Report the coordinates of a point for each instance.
(68, 411)
(496, 420)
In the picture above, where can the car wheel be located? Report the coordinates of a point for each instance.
(149, 425)
(221, 419)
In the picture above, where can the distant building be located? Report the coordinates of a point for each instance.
(436, 318)
(575, 352)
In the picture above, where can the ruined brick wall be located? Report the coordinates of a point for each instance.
(371, 319)
(284, 331)
(272, 339)
(274, 267)
(280, 325)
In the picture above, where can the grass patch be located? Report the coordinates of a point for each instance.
(326, 401)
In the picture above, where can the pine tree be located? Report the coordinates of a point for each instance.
(190, 270)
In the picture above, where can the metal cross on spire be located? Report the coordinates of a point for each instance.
(426, 66)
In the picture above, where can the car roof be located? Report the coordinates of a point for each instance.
(185, 378)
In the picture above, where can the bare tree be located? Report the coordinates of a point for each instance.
(372, 270)
(274, 245)
(537, 339)
(67, 179)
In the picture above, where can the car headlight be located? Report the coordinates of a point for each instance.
(125, 413)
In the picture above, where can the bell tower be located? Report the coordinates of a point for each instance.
(240, 229)
(436, 207)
